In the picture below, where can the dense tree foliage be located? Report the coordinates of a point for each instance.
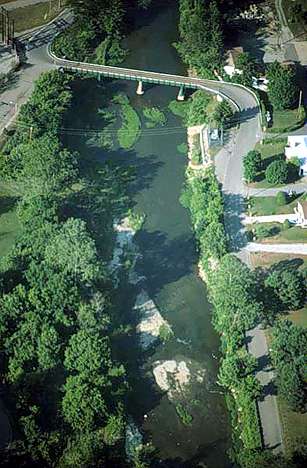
(201, 37)
(66, 390)
(251, 165)
(283, 88)
(288, 287)
(288, 351)
(277, 172)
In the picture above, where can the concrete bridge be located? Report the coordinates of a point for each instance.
(236, 94)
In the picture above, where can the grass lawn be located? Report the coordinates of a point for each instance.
(294, 424)
(34, 15)
(293, 427)
(281, 236)
(273, 150)
(266, 260)
(287, 120)
(9, 225)
(263, 206)
(296, 22)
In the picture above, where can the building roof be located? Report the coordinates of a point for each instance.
(304, 207)
(296, 140)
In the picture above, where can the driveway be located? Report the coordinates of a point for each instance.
(298, 249)
(272, 192)
(270, 219)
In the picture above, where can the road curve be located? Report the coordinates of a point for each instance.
(228, 162)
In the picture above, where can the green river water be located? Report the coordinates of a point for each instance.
(168, 260)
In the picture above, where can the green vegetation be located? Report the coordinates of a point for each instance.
(182, 148)
(185, 417)
(289, 343)
(155, 117)
(272, 151)
(31, 16)
(97, 31)
(282, 88)
(280, 204)
(165, 333)
(233, 290)
(252, 165)
(287, 120)
(130, 130)
(201, 37)
(180, 108)
(136, 220)
(277, 172)
(247, 64)
(296, 14)
(64, 388)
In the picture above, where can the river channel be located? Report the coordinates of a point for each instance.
(168, 258)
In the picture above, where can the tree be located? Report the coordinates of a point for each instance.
(252, 165)
(213, 240)
(222, 113)
(234, 290)
(73, 250)
(82, 403)
(201, 36)
(42, 166)
(277, 172)
(282, 87)
(290, 385)
(198, 108)
(235, 367)
(87, 354)
(247, 64)
(281, 198)
(289, 287)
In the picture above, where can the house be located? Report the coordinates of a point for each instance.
(297, 148)
(232, 56)
(301, 212)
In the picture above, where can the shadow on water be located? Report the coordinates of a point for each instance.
(168, 256)
(165, 260)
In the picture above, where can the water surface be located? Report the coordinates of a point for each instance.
(168, 259)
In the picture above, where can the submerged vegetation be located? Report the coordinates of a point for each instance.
(155, 117)
(185, 417)
(130, 130)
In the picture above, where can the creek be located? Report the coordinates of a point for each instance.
(167, 260)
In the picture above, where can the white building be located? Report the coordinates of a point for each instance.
(297, 148)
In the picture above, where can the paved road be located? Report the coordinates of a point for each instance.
(298, 249)
(228, 167)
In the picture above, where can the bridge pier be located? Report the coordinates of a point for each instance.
(140, 90)
(180, 96)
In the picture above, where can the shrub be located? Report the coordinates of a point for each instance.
(262, 231)
(286, 225)
(196, 157)
(281, 198)
(277, 172)
(251, 165)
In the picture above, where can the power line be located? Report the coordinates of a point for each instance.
(112, 132)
